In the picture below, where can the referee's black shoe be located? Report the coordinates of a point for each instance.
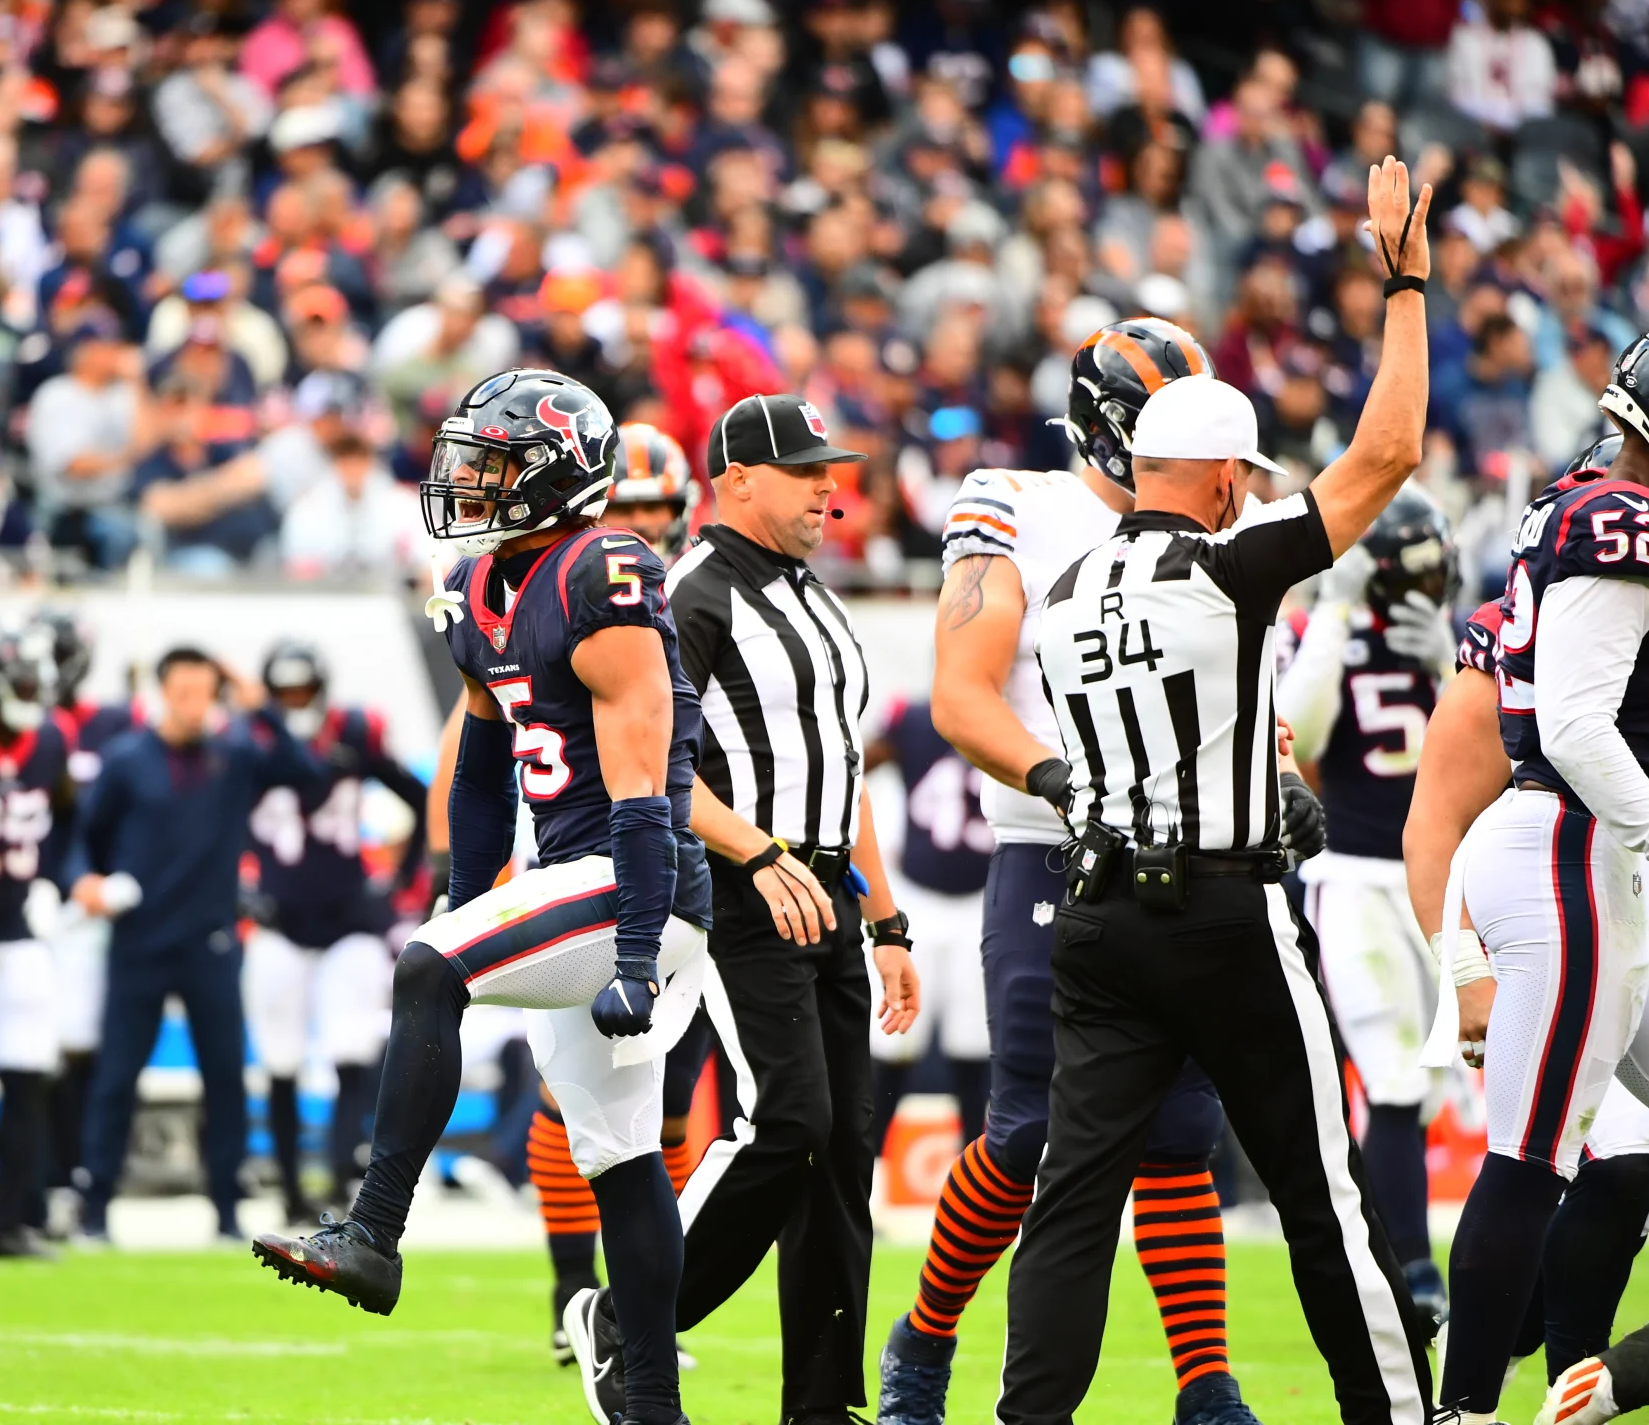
(1213, 1399)
(342, 1257)
(592, 1332)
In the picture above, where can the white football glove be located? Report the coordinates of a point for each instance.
(442, 604)
(1346, 580)
(1421, 630)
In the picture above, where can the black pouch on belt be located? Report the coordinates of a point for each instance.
(1090, 869)
(1162, 879)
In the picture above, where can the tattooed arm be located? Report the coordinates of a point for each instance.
(980, 610)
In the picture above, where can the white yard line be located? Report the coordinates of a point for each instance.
(167, 1345)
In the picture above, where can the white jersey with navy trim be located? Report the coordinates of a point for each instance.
(1156, 651)
(1042, 521)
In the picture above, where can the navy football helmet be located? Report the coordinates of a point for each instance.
(1594, 462)
(1623, 399)
(28, 677)
(71, 652)
(1113, 375)
(524, 450)
(1413, 548)
(295, 675)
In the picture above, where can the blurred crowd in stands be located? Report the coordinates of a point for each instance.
(252, 250)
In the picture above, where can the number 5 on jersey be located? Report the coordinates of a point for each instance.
(539, 747)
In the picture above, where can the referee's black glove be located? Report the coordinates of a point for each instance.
(1305, 828)
(1050, 779)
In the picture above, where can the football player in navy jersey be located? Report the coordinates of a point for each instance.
(560, 630)
(80, 943)
(942, 864)
(319, 955)
(1552, 877)
(653, 495)
(34, 757)
(1358, 689)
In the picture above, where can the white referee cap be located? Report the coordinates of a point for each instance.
(1200, 418)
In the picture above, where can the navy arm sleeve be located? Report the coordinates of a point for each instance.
(481, 808)
(278, 758)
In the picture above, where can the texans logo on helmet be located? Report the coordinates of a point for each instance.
(815, 422)
(565, 423)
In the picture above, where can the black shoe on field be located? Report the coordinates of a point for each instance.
(340, 1257)
(26, 1242)
(592, 1332)
(561, 1349)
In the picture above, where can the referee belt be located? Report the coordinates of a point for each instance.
(1264, 866)
(828, 863)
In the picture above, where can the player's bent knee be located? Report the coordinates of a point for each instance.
(1018, 1152)
(423, 973)
(1187, 1127)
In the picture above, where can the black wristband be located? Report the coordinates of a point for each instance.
(1404, 283)
(891, 930)
(765, 857)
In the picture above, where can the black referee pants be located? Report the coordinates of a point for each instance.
(795, 1023)
(1231, 982)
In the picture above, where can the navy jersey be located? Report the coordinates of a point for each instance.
(31, 769)
(521, 648)
(308, 839)
(95, 726)
(1572, 529)
(1366, 771)
(948, 842)
(1477, 642)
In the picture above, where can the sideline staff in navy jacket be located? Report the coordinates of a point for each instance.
(169, 810)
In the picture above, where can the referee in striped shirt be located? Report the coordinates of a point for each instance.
(1174, 938)
(783, 685)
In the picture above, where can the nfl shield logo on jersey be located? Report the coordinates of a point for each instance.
(1042, 913)
(500, 636)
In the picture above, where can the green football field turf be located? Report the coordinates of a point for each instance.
(211, 1338)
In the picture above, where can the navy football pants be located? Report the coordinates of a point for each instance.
(206, 976)
(1021, 895)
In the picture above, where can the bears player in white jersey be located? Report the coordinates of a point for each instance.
(1361, 678)
(1008, 536)
(1598, 1229)
(1552, 878)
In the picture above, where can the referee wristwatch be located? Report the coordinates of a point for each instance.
(891, 930)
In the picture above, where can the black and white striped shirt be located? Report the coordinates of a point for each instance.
(783, 685)
(1156, 654)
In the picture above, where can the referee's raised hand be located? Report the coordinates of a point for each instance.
(1399, 231)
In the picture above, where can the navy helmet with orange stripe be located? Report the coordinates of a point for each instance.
(1113, 374)
(653, 491)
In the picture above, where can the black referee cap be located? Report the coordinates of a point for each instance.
(773, 430)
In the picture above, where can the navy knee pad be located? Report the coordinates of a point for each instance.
(1189, 1121)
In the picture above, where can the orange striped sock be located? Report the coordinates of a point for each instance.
(678, 1162)
(565, 1201)
(1181, 1244)
(976, 1222)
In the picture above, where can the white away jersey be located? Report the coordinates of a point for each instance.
(1044, 521)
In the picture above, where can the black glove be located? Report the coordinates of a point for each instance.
(1305, 828)
(625, 1006)
(1050, 779)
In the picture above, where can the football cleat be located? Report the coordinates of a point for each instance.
(592, 1332)
(561, 1349)
(1431, 1297)
(341, 1258)
(915, 1370)
(1213, 1399)
(26, 1242)
(1583, 1395)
